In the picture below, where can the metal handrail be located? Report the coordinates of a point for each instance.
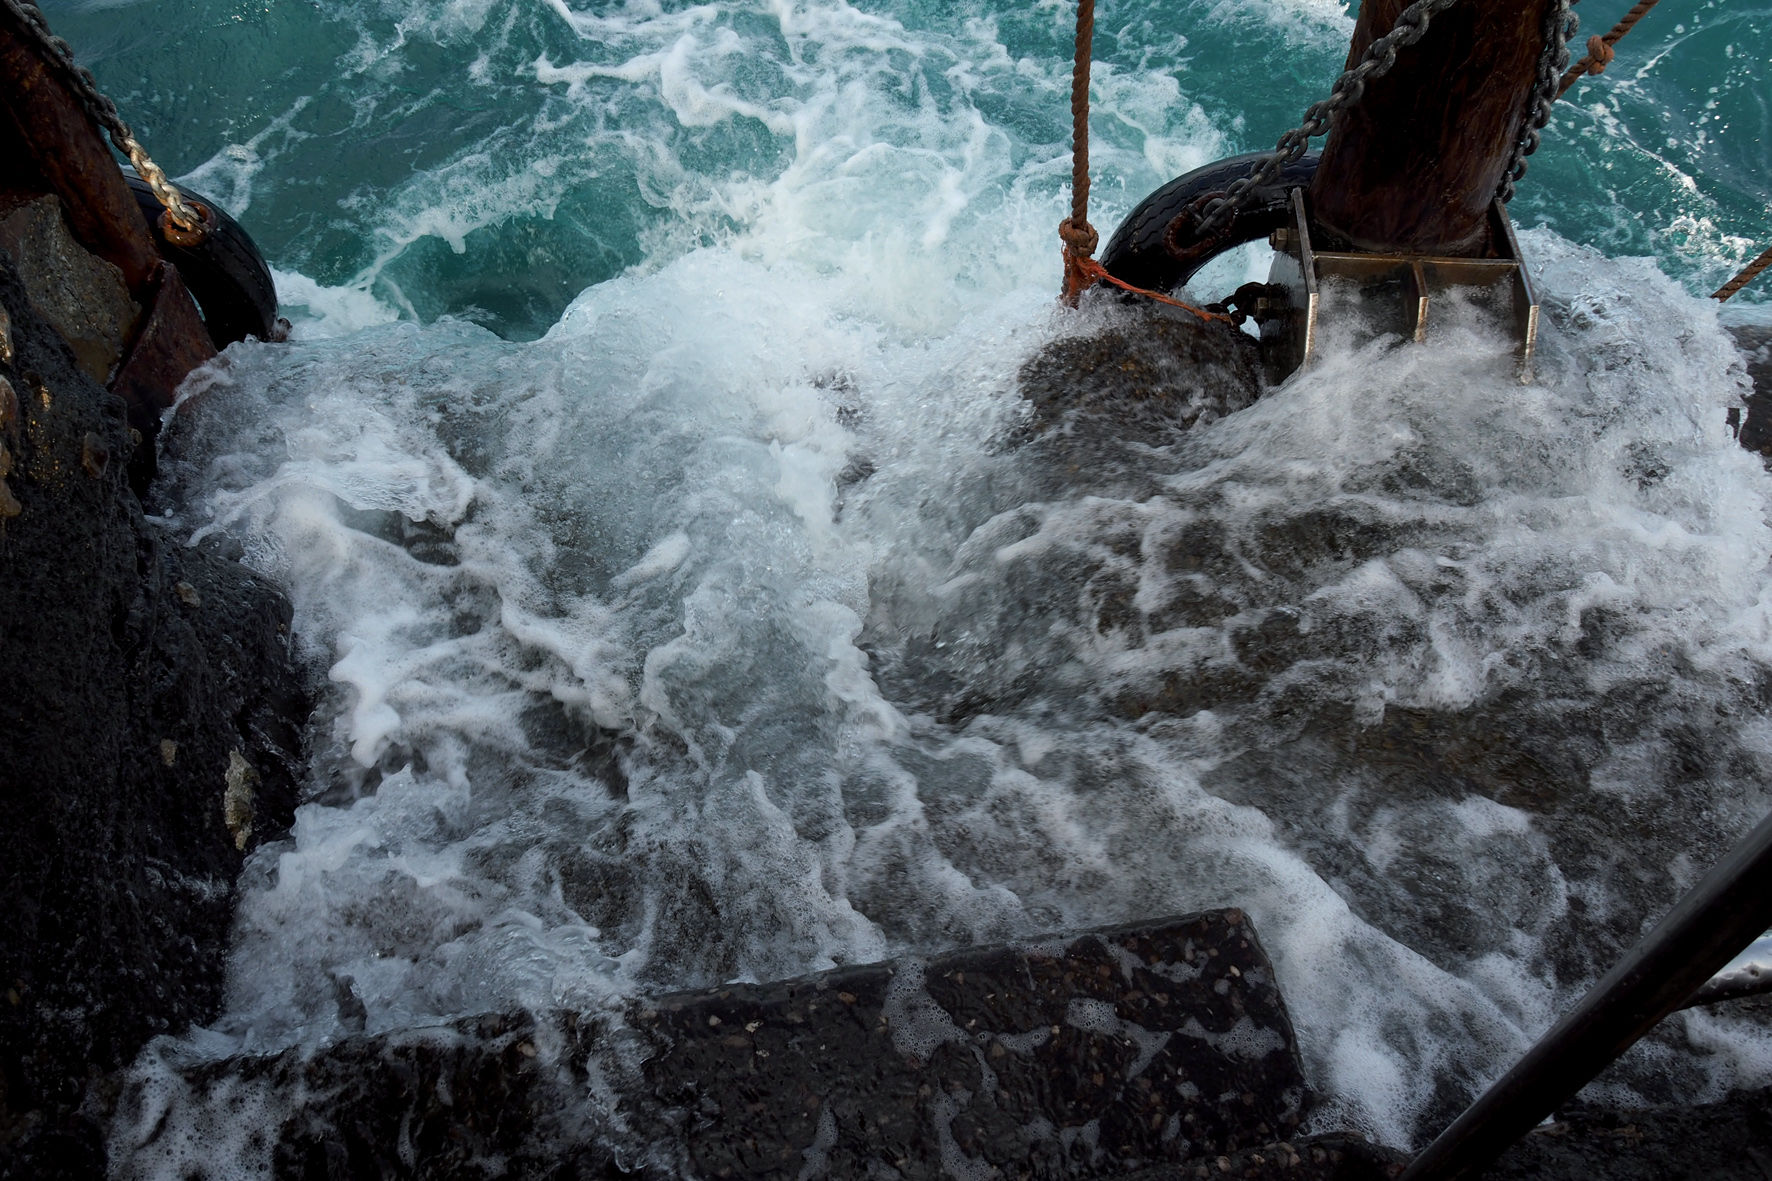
(1716, 920)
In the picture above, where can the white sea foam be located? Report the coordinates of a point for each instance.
(510, 557)
(728, 632)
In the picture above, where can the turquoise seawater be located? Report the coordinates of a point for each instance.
(492, 159)
(650, 477)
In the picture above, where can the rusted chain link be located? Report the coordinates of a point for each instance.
(190, 224)
(1560, 26)
(1379, 57)
(1748, 274)
(1600, 56)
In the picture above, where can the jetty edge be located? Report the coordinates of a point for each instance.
(153, 707)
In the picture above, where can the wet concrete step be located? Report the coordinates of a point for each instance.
(1097, 1055)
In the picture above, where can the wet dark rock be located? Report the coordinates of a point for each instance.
(1726, 1141)
(1094, 1056)
(1755, 343)
(124, 701)
(1589, 750)
(82, 297)
(1334, 1157)
(1147, 374)
(475, 1099)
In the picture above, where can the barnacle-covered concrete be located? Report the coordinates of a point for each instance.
(122, 703)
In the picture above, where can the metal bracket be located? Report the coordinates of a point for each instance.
(1395, 291)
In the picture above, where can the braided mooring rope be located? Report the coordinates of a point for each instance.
(1599, 49)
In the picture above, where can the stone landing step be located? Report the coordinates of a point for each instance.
(1163, 1045)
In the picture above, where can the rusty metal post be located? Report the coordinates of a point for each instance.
(69, 151)
(42, 117)
(1413, 166)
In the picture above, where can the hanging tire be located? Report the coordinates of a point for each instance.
(224, 272)
(1143, 251)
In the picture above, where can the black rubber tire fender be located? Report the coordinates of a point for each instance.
(1138, 252)
(224, 272)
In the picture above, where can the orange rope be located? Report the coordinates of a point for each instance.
(1081, 271)
(1096, 273)
(1599, 49)
(1078, 235)
(1747, 275)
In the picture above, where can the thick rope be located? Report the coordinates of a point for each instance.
(1748, 274)
(1599, 49)
(1081, 270)
(1096, 273)
(1078, 236)
(1080, 112)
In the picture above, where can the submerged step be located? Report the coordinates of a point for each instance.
(1091, 1055)
(1125, 1047)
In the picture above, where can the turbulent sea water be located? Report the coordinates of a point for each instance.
(644, 471)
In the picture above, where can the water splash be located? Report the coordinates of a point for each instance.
(739, 624)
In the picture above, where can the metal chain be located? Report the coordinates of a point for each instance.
(105, 113)
(1380, 56)
(1560, 25)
